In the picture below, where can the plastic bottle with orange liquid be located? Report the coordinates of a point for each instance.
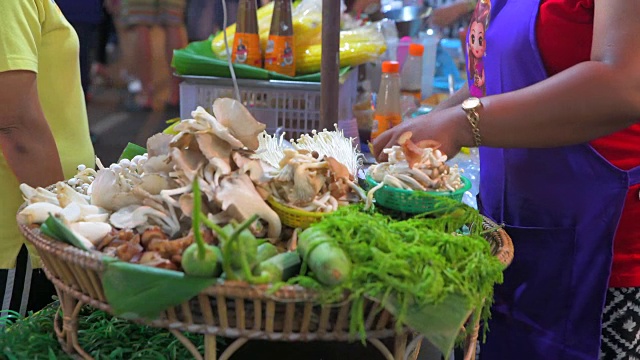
(388, 112)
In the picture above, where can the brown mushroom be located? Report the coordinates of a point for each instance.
(169, 248)
(412, 153)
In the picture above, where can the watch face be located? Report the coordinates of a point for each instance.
(471, 103)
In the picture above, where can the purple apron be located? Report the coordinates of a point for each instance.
(561, 206)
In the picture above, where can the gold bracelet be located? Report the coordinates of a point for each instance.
(471, 107)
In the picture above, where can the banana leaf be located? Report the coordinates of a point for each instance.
(54, 228)
(197, 59)
(439, 323)
(131, 151)
(143, 292)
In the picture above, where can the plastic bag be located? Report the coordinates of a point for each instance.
(357, 46)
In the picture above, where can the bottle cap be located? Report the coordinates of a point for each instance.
(390, 67)
(416, 50)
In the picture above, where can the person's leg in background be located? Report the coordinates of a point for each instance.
(106, 31)
(172, 15)
(86, 35)
(138, 16)
(199, 15)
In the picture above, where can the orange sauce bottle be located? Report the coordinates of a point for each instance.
(246, 41)
(388, 112)
(279, 55)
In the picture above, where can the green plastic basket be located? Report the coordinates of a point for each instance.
(413, 201)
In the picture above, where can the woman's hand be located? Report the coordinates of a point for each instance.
(449, 127)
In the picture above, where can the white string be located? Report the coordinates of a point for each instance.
(226, 46)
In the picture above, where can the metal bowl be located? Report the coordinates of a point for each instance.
(410, 20)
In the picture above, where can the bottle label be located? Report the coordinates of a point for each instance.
(382, 123)
(246, 49)
(279, 56)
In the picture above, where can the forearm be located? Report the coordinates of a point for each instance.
(31, 154)
(455, 99)
(583, 103)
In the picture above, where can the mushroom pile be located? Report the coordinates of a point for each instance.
(139, 210)
(316, 173)
(415, 166)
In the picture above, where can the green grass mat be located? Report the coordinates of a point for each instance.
(101, 335)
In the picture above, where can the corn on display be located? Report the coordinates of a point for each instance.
(357, 46)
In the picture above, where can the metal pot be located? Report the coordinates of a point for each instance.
(410, 20)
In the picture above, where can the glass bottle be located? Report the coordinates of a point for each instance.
(279, 56)
(246, 41)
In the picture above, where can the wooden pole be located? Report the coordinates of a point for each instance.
(330, 66)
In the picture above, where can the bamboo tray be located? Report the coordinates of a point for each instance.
(233, 309)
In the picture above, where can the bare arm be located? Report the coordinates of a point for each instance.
(446, 15)
(25, 137)
(587, 101)
(456, 99)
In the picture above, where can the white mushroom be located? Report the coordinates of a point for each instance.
(37, 213)
(67, 195)
(92, 231)
(111, 192)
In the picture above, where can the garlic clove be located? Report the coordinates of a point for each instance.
(37, 213)
(92, 231)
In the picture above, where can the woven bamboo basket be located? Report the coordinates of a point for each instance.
(233, 309)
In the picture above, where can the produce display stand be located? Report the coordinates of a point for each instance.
(233, 309)
(237, 310)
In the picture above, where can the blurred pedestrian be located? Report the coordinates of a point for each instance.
(140, 16)
(84, 16)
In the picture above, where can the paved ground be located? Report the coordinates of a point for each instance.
(114, 126)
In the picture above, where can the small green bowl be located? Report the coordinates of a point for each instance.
(413, 201)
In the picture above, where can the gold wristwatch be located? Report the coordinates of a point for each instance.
(471, 107)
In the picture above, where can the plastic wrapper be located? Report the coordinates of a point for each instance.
(357, 46)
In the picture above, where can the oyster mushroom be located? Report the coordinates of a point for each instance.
(239, 197)
(158, 161)
(187, 155)
(111, 191)
(32, 195)
(142, 217)
(242, 125)
(216, 127)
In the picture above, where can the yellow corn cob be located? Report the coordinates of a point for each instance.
(356, 47)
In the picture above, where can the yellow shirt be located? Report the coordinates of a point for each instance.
(35, 36)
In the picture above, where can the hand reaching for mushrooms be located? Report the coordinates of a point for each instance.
(449, 127)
